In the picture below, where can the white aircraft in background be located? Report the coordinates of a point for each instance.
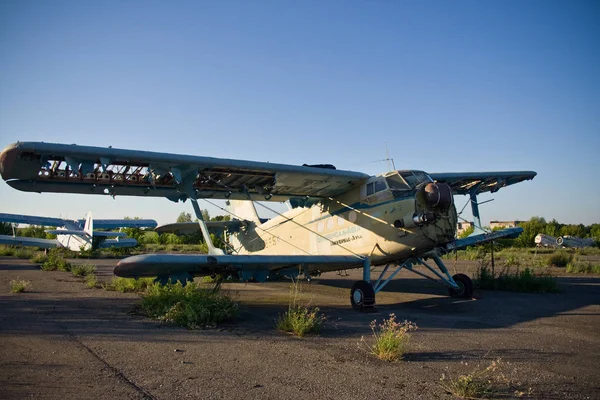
(337, 219)
(76, 235)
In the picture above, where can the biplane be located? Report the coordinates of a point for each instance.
(336, 220)
(76, 235)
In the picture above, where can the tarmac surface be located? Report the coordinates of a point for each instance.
(61, 340)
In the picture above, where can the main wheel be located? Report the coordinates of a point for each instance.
(465, 287)
(362, 296)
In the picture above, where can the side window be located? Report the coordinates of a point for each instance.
(370, 189)
(380, 185)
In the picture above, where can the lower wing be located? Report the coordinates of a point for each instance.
(258, 267)
(484, 238)
(27, 241)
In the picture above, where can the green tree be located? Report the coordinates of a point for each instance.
(184, 217)
(6, 228)
(530, 229)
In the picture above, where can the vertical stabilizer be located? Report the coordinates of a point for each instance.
(89, 224)
(244, 210)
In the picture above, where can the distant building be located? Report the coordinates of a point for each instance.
(504, 224)
(463, 226)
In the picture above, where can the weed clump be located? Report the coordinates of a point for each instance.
(390, 338)
(299, 319)
(91, 280)
(559, 259)
(190, 306)
(19, 285)
(39, 258)
(521, 281)
(128, 285)
(83, 270)
(583, 268)
(480, 383)
(6, 251)
(56, 262)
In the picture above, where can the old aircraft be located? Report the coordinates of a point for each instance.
(337, 219)
(76, 235)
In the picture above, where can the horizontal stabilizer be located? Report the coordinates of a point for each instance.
(186, 228)
(28, 241)
(83, 233)
(473, 240)
(203, 264)
(118, 243)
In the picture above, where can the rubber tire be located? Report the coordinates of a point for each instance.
(367, 303)
(467, 287)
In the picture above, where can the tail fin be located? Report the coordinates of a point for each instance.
(244, 210)
(89, 224)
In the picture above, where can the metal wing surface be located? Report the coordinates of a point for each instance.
(480, 182)
(50, 167)
(124, 223)
(202, 264)
(484, 238)
(27, 241)
(31, 220)
(186, 228)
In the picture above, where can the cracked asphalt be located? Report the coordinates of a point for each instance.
(61, 340)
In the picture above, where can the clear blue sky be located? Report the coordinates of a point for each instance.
(450, 86)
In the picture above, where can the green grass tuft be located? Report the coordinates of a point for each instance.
(91, 280)
(128, 285)
(521, 281)
(56, 262)
(390, 338)
(39, 258)
(190, 306)
(477, 384)
(83, 270)
(559, 259)
(299, 319)
(19, 285)
(582, 268)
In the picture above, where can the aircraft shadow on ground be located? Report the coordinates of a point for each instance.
(112, 317)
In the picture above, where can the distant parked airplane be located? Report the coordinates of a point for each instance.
(76, 235)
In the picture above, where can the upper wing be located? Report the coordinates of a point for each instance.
(479, 182)
(124, 223)
(27, 241)
(31, 220)
(49, 167)
(186, 228)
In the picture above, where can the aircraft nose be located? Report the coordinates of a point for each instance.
(438, 195)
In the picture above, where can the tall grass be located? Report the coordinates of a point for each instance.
(83, 270)
(190, 306)
(128, 285)
(19, 285)
(583, 268)
(390, 338)
(56, 262)
(299, 319)
(519, 281)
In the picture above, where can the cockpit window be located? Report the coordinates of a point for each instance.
(377, 186)
(413, 178)
(395, 182)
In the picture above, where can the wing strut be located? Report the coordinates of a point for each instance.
(211, 247)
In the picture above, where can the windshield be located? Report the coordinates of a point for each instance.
(395, 182)
(413, 178)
